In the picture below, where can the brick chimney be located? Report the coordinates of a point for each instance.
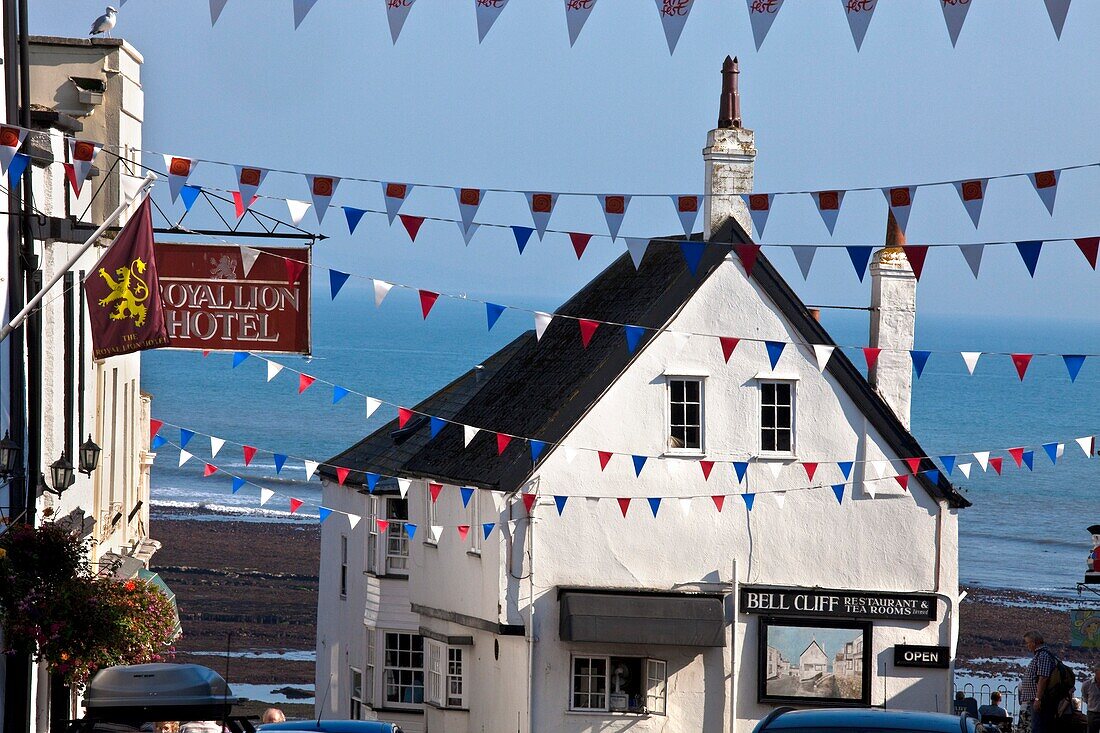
(729, 156)
(893, 322)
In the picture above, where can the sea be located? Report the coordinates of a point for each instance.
(1026, 529)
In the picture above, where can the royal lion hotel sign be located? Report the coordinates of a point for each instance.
(210, 302)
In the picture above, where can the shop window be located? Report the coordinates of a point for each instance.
(777, 418)
(403, 669)
(685, 415)
(619, 685)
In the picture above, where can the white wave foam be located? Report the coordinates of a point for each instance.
(229, 510)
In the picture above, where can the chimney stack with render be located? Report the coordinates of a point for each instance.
(729, 158)
(893, 322)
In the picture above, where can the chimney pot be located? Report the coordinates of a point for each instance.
(729, 108)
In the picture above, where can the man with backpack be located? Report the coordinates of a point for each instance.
(1046, 683)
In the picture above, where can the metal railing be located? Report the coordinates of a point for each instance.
(1010, 696)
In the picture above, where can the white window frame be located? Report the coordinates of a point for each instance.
(654, 689)
(573, 681)
(474, 510)
(429, 516)
(433, 672)
(395, 532)
(793, 384)
(372, 535)
(355, 700)
(343, 567)
(453, 675)
(386, 668)
(369, 668)
(669, 448)
(441, 675)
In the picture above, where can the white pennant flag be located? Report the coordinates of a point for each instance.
(216, 8)
(674, 14)
(372, 405)
(687, 208)
(437, 532)
(965, 468)
(973, 255)
(879, 468)
(636, 248)
(11, 139)
(760, 206)
(762, 14)
(1045, 184)
(215, 446)
(403, 485)
(542, 208)
(972, 194)
(248, 258)
(487, 13)
(396, 12)
(179, 170)
(1086, 445)
(1057, 10)
(804, 256)
(822, 354)
(469, 200)
(273, 369)
(353, 520)
(982, 457)
(780, 498)
(776, 468)
(1060, 450)
(468, 233)
(576, 15)
(869, 489)
(954, 14)
(828, 206)
(679, 340)
(395, 195)
(265, 495)
(184, 457)
(82, 153)
(322, 189)
(614, 211)
(301, 10)
(971, 359)
(570, 454)
(542, 320)
(685, 506)
(468, 433)
(381, 290)
(249, 180)
(311, 468)
(859, 18)
(900, 200)
(297, 210)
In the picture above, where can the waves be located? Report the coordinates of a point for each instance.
(229, 511)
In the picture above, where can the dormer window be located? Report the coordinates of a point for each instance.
(777, 418)
(685, 415)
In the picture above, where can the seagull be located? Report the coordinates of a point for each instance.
(104, 23)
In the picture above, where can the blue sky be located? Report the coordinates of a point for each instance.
(616, 113)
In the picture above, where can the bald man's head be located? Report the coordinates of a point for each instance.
(273, 715)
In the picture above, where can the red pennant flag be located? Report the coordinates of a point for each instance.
(587, 329)
(382, 524)
(210, 470)
(707, 466)
(1021, 361)
(604, 458)
(811, 469)
(205, 353)
(70, 175)
(249, 454)
(1017, 455)
(154, 428)
(427, 300)
(913, 463)
(342, 475)
(719, 501)
(903, 481)
(502, 442)
(433, 490)
(403, 416)
(463, 531)
(916, 253)
(305, 382)
(1089, 247)
(295, 504)
(996, 463)
(748, 254)
(123, 292)
(238, 203)
(412, 224)
(529, 501)
(580, 242)
(294, 270)
(871, 353)
(729, 343)
(624, 505)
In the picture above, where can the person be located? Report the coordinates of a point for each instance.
(201, 726)
(967, 705)
(273, 715)
(1033, 687)
(1090, 691)
(166, 727)
(993, 708)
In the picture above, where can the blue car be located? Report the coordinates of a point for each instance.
(863, 720)
(331, 726)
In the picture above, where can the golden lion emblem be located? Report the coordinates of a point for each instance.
(129, 290)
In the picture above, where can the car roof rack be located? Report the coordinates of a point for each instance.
(775, 714)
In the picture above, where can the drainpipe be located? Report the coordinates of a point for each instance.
(736, 602)
(531, 623)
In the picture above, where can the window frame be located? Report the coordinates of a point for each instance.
(430, 517)
(386, 668)
(793, 428)
(606, 659)
(433, 672)
(649, 686)
(474, 520)
(369, 667)
(372, 535)
(702, 382)
(396, 532)
(449, 676)
(343, 567)
(645, 689)
(353, 701)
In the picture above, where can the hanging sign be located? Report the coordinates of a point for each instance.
(215, 300)
(930, 657)
(837, 603)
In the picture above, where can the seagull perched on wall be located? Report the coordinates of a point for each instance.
(104, 23)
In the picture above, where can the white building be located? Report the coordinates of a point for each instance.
(583, 618)
(813, 661)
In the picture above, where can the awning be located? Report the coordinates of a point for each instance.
(152, 578)
(642, 618)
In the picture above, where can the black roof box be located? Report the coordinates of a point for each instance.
(147, 692)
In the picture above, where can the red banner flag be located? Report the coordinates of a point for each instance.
(123, 293)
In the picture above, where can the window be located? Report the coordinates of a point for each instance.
(475, 522)
(455, 694)
(397, 540)
(369, 681)
(343, 566)
(430, 518)
(403, 669)
(372, 535)
(685, 413)
(355, 711)
(444, 670)
(433, 671)
(777, 417)
(619, 685)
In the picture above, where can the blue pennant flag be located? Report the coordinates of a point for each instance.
(353, 216)
(775, 350)
(238, 484)
(336, 280)
(633, 336)
(560, 502)
(639, 464)
(467, 494)
(185, 437)
(654, 504)
(280, 461)
(189, 194)
(1052, 452)
(323, 513)
(338, 393)
(487, 528)
(410, 530)
(537, 447)
(1030, 251)
(523, 236)
(920, 359)
(838, 491)
(948, 464)
(157, 442)
(239, 357)
(846, 469)
(492, 313)
(693, 254)
(749, 500)
(16, 167)
(436, 424)
(1029, 459)
(372, 481)
(860, 256)
(741, 467)
(1074, 362)
(933, 475)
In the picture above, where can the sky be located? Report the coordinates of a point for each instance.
(618, 114)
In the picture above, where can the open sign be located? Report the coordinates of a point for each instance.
(909, 655)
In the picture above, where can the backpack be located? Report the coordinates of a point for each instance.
(1062, 680)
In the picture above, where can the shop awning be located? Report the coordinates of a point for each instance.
(642, 618)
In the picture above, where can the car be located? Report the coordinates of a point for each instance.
(864, 720)
(331, 726)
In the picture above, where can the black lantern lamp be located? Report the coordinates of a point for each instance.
(9, 456)
(89, 456)
(61, 474)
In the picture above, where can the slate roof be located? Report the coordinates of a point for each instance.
(541, 389)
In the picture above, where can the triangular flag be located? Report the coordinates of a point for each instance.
(775, 350)
(301, 10)
(468, 433)
(215, 446)
(487, 529)
(492, 313)
(674, 14)
(687, 208)
(932, 475)
(964, 468)
(324, 513)
(469, 200)
(587, 328)
(972, 194)
(780, 498)
(295, 504)
(382, 524)
(920, 360)
(614, 209)
(403, 416)
(322, 189)
(914, 464)
(728, 344)
(1057, 10)
(637, 248)
(693, 255)
(679, 340)
(838, 492)
(973, 255)
(249, 453)
(828, 206)
(559, 502)
(265, 495)
(280, 461)
(502, 442)
(249, 180)
(804, 256)
(537, 447)
(427, 300)
(16, 168)
(719, 501)
(305, 382)
(859, 18)
(381, 290)
(811, 469)
(971, 359)
(273, 369)
(903, 480)
(576, 15)
(639, 464)
(761, 16)
(179, 170)
(435, 425)
(239, 358)
(336, 280)
(248, 258)
(860, 256)
(311, 468)
(1029, 459)
(948, 464)
(297, 210)
(436, 531)
(216, 8)
(372, 482)
(1086, 445)
(403, 485)
(410, 530)
(396, 13)
(433, 491)
(750, 499)
(487, 13)
(294, 270)
(982, 457)
(238, 484)
(879, 468)
(1089, 247)
(463, 531)
(1074, 362)
(654, 504)
(604, 457)
(624, 504)
(11, 139)
(184, 457)
(633, 336)
(1046, 185)
(412, 224)
(685, 506)
(542, 320)
(395, 195)
(707, 467)
(1029, 252)
(82, 153)
(846, 469)
(870, 355)
(776, 468)
(1021, 362)
(748, 254)
(580, 242)
(542, 205)
(529, 501)
(900, 200)
(822, 353)
(523, 236)
(760, 205)
(189, 194)
(996, 463)
(185, 437)
(954, 14)
(1017, 456)
(372, 405)
(916, 254)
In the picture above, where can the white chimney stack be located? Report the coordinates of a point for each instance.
(893, 322)
(729, 156)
